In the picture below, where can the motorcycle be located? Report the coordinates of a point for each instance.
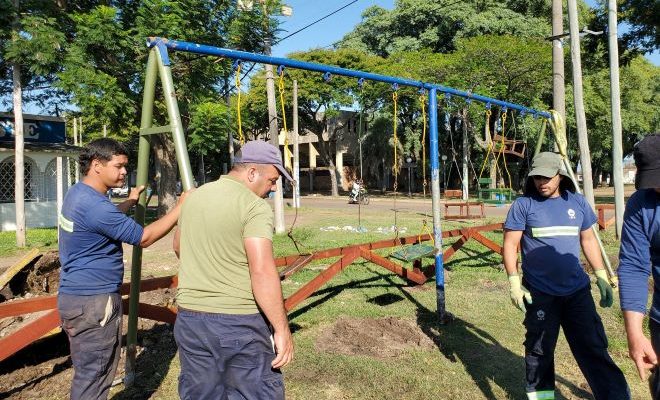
(361, 197)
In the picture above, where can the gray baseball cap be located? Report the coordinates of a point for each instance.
(260, 152)
(547, 164)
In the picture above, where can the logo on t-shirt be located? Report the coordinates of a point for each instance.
(571, 213)
(540, 315)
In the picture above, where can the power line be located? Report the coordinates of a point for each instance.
(288, 36)
(317, 21)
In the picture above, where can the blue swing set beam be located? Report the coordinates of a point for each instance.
(163, 45)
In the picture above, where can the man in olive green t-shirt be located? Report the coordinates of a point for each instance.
(229, 292)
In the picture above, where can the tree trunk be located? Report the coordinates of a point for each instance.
(166, 168)
(328, 157)
(334, 188)
(19, 168)
(580, 118)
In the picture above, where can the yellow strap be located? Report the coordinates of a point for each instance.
(425, 229)
(506, 168)
(287, 152)
(238, 104)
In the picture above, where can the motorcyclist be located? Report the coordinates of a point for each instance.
(355, 191)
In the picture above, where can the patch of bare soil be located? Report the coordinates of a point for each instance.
(43, 369)
(381, 338)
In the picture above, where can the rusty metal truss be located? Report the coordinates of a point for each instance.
(287, 265)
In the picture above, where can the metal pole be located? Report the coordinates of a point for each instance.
(296, 148)
(75, 143)
(617, 141)
(278, 200)
(603, 253)
(140, 210)
(466, 155)
(59, 193)
(178, 136)
(409, 181)
(360, 142)
(585, 156)
(435, 202)
(541, 137)
(286, 62)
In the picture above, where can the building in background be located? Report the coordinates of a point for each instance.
(45, 143)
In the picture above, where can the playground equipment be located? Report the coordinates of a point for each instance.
(158, 64)
(462, 203)
(498, 145)
(287, 265)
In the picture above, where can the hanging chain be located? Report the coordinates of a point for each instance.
(422, 99)
(395, 165)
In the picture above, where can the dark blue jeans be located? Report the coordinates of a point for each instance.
(226, 357)
(583, 328)
(93, 325)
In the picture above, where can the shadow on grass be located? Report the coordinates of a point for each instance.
(484, 358)
(488, 259)
(153, 364)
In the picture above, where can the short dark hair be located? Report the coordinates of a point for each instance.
(100, 149)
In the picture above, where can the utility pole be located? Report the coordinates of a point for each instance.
(585, 157)
(617, 141)
(558, 86)
(75, 143)
(19, 148)
(278, 200)
(296, 149)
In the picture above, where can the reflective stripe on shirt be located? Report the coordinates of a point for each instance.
(550, 231)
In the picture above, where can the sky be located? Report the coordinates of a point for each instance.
(333, 28)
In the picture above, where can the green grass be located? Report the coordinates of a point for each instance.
(478, 356)
(43, 238)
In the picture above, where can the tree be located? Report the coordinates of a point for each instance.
(104, 68)
(640, 108)
(30, 43)
(417, 24)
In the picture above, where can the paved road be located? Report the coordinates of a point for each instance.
(386, 204)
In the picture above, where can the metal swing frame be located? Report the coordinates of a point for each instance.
(158, 64)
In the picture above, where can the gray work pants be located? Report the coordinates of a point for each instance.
(93, 326)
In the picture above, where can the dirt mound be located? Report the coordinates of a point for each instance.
(380, 338)
(44, 278)
(40, 276)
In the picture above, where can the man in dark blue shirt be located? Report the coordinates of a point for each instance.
(640, 256)
(553, 222)
(91, 233)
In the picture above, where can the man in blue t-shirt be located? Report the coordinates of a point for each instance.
(552, 221)
(639, 257)
(91, 233)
